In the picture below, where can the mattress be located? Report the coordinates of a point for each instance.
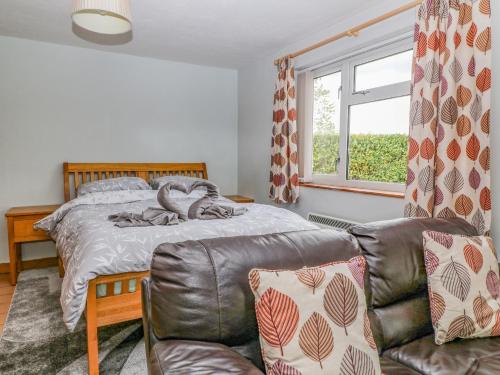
(90, 245)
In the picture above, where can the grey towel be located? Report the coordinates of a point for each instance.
(169, 214)
(168, 203)
(205, 208)
(150, 217)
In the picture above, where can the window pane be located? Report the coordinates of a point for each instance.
(383, 72)
(378, 135)
(326, 123)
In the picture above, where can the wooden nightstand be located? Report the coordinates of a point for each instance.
(239, 198)
(20, 222)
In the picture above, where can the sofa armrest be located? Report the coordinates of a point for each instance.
(149, 337)
(197, 357)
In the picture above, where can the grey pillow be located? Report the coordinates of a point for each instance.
(113, 184)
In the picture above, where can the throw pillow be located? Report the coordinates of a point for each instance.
(314, 320)
(462, 274)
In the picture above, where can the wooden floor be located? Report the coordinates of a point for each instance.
(6, 291)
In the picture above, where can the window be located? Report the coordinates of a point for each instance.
(326, 120)
(360, 120)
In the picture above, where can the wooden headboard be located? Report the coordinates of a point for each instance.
(80, 173)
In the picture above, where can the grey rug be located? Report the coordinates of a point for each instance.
(36, 341)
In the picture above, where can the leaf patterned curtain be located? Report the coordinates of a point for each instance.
(449, 146)
(284, 179)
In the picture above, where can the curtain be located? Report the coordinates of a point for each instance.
(449, 146)
(305, 86)
(284, 178)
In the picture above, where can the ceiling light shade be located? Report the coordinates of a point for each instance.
(103, 16)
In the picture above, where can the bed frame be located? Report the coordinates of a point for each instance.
(116, 298)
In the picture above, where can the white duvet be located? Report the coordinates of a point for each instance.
(90, 245)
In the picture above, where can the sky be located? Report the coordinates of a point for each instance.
(383, 117)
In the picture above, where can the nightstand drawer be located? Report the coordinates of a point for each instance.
(24, 232)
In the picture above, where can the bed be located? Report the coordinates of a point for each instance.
(108, 291)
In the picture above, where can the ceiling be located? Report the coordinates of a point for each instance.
(222, 33)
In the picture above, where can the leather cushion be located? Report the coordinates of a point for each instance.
(404, 321)
(200, 289)
(477, 356)
(396, 272)
(194, 357)
(390, 367)
(487, 365)
(394, 252)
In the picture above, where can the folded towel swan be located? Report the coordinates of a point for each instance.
(205, 208)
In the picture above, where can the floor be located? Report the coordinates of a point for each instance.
(6, 292)
(28, 347)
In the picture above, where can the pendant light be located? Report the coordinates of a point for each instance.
(103, 16)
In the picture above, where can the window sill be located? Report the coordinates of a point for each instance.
(387, 194)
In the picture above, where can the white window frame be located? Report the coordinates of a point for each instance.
(349, 98)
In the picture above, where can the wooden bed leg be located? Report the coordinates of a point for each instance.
(61, 266)
(92, 338)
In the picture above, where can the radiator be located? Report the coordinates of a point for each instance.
(330, 222)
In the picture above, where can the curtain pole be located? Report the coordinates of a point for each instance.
(354, 32)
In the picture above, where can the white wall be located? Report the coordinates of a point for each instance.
(256, 85)
(60, 103)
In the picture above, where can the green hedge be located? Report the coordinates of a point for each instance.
(371, 157)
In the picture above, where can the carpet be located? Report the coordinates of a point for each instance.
(36, 341)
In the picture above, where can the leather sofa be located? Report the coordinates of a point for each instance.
(199, 313)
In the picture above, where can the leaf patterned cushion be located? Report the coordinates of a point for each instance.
(315, 320)
(113, 184)
(462, 274)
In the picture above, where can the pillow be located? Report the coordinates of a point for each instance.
(462, 276)
(315, 320)
(113, 184)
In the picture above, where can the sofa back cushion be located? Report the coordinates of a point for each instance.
(398, 283)
(200, 290)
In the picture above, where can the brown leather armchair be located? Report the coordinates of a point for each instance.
(199, 313)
